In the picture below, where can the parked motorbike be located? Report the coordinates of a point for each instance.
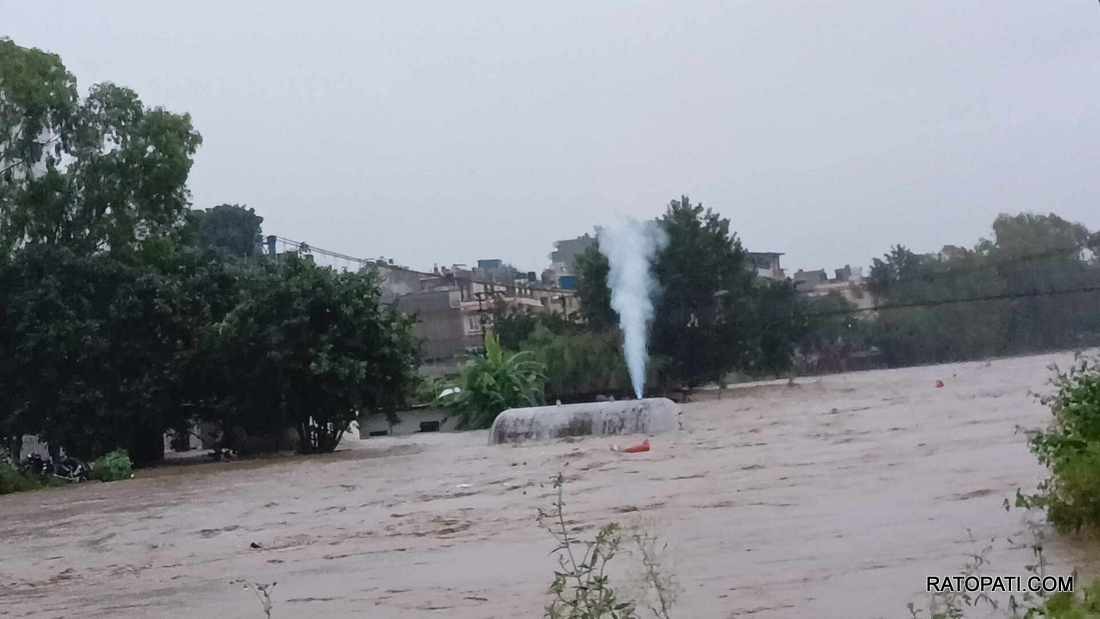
(222, 454)
(67, 469)
(35, 465)
(72, 470)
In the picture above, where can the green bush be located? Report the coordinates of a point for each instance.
(495, 382)
(1070, 449)
(11, 480)
(580, 365)
(1069, 606)
(114, 466)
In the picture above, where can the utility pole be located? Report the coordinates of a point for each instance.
(481, 296)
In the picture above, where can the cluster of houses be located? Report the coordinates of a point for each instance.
(847, 282)
(455, 304)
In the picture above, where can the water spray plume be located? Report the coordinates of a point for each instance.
(630, 248)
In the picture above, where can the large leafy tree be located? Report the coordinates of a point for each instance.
(124, 314)
(312, 349)
(580, 365)
(832, 332)
(712, 314)
(99, 173)
(702, 323)
(95, 349)
(228, 229)
(592, 290)
(89, 188)
(1039, 257)
(1026, 289)
(778, 319)
(922, 319)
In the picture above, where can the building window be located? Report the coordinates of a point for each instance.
(473, 325)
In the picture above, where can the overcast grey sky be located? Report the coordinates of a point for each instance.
(448, 131)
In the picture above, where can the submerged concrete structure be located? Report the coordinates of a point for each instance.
(540, 423)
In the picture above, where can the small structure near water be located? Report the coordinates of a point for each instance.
(540, 423)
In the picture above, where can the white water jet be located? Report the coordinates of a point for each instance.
(630, 248)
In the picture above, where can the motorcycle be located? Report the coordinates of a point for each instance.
(68, 469)
(35, 465)
(72, 470)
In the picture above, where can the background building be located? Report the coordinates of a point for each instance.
(562, 272)
(766, 264)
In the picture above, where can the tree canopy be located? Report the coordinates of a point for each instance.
(229, 229)
(1031, 287)
(99, 173)
(309, 348)
(713, 315)
(124, 313)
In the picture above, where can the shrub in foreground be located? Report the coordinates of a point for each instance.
(113, 466)
(495, 382)
(11, 480)
(1070, 449)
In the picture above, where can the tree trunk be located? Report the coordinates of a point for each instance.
(15, 447)
(147, 446)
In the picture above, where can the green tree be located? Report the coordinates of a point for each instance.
(494, 382)
(10, 439)
(1025, 290)
(229, 229)
(100, 344)
(924, 318)
(832, 332)
(38, 104)
(578, 366)
(312, 349)
(703, 313)
(712, 314)
(777, 322)
(592, 290)
(514, 326)
(89, 189)
(1036, 255)
(1070, 449)
(102, 173)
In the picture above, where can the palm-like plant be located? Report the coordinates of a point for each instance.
(496, 381)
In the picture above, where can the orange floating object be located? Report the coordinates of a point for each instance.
(633, 449)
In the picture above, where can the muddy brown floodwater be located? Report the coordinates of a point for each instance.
(831, 498)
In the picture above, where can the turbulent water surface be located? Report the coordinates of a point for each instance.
(832, 498)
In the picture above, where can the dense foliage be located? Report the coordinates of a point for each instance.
(833, 332)
(713, 315)
(309, 348)
(99, 173)
(229, 229)
(1070, 449)
(580, 366)
(124, 314)
(113, 466)
(514, 327)
(593, 292)
(12, 480)
(494, 382)
(579, 361)
(96, 348)
(1033, 287)
(1070, 605)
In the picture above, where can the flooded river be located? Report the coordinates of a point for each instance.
(835, 497)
